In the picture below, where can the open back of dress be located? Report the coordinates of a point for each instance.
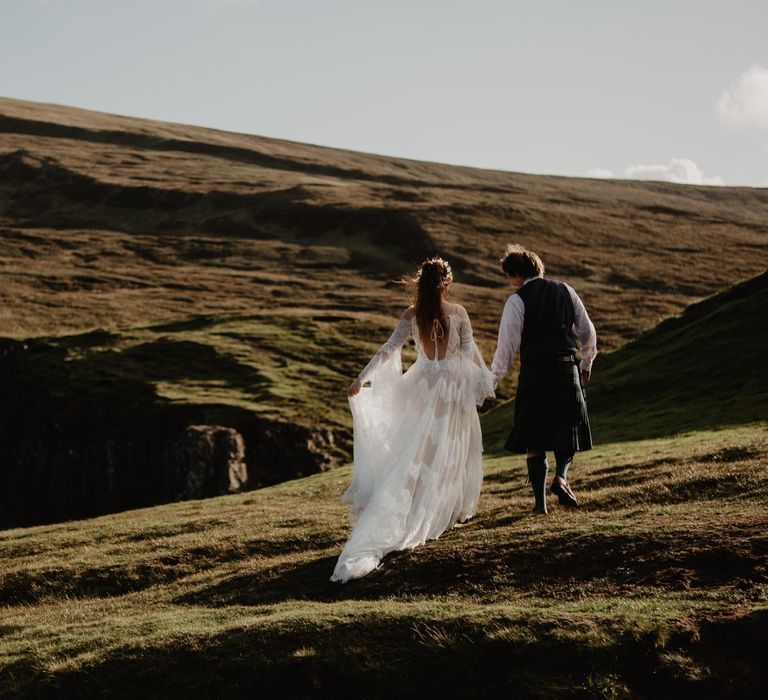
(438, 344)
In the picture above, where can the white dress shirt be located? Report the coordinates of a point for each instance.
(511, 330)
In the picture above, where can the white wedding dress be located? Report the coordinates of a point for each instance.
(417, 444)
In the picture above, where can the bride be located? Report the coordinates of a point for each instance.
(417, 444)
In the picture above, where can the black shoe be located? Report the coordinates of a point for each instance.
(562, 490)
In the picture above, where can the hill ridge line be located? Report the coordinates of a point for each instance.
(132, 139)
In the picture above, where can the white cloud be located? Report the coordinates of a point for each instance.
(745, 102)
(599, 172)
(680, 170)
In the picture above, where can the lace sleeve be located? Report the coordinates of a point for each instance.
(468, 347)
(482, 380)
(395, 343)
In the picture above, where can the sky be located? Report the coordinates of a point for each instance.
(661, 89)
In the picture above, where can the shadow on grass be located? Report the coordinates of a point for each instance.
(33, 586)
(550, 566)
(193, 323)
(659, 491)
(385, 656)
(167, 359)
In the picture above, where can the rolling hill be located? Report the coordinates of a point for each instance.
(112, 222)
(188, 296)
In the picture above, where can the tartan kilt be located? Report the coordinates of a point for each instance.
(550, 408)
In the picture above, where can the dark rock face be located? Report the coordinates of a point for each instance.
(77, 441)
(307, 451)
(204, 461)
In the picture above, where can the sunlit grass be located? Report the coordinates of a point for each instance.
(668, 548)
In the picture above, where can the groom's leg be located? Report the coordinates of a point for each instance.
(537, 475)
(563, 460)
(560, 486)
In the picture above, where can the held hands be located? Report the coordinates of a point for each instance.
(354, 388)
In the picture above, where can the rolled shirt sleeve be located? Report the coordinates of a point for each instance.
(585, 331)
(510, 331)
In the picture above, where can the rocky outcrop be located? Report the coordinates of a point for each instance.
(301, 451)
(205, 461)
(78, 440)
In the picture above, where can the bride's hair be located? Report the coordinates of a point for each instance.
(432, 279)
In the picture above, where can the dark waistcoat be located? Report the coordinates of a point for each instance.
(548, 323)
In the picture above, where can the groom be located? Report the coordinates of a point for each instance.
(543, 320)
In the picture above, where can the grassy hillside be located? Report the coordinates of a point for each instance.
(111, 222)
(656, 587)
(702, 369)
(205, 278)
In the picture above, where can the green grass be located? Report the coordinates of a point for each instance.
(701, 370)
(290, 368)
(287, 367)
(657, 585)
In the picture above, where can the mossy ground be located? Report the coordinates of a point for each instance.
(657, 585)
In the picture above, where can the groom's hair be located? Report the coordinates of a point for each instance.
(521, 262)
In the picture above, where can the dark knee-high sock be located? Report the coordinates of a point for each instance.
(563, 460)
(537, 473)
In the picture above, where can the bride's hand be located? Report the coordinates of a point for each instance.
(354, 388)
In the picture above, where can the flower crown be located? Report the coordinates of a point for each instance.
(437, 267)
